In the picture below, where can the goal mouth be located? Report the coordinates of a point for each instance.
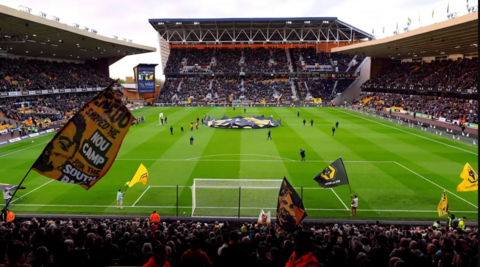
(233, 197)
(239, 122)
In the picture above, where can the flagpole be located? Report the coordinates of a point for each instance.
(16, 189)
(127, 186)
(349, 187)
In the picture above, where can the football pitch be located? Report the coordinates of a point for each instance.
(397, 172)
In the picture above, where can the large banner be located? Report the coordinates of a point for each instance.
(290, 209)
(145, 75)
(85, 148)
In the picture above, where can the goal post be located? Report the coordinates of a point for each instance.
(226, 197)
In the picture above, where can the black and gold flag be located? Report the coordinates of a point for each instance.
(290, 210)
(333, 175)
(85, 148)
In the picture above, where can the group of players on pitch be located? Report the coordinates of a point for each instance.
(269, 133)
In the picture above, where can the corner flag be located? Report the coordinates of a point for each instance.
(141, 176)
(333, 175)
(443, 205)
(470, 179)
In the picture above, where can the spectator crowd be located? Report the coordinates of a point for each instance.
(436, 106)
(32, 74)
(109, 242)
(445, 74)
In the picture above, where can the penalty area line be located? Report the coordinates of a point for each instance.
(339, 199)
(450, 192)
(141, 196)
(32, 191)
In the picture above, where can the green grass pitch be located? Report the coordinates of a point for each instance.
(397, 172)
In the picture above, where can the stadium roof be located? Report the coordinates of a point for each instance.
(256, 30)
(454, 36)
(25, 34)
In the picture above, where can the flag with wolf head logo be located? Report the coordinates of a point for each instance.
(85, 148)
(290, 210)
(333, 175)
(470, 179)
(141, 176)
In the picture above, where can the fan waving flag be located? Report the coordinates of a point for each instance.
(290, 210)
(470, 179)
(141, 176)
(443, 205)
(85, 148)
(264, 218)
(333, 175)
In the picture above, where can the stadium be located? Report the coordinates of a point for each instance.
(302, 118)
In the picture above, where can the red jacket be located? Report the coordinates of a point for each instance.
(195, 257)
(307, 260)
(151, 263)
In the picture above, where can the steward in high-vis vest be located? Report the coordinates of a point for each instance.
(155, 218)
(8, 216)
(461, 223)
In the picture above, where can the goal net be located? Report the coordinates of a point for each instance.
(228, 197)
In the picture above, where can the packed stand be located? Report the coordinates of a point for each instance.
(225, 88)
(200, 59)
(168, 91)
(449, 108)
(459, 74)
(280, 61)
(310, 56)
(258, 90)
(321, 88)
(283, 89)
(227, 60)
(196, 87)
(175, 59)
(53, 108)
(30, 74)
(105, 242)
(256, 60)
(343, 61)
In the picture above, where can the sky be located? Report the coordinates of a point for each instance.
(129, 19)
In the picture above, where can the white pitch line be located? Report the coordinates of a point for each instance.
(389, 126)
(259, 160)
(141, 196)
(434, 184)
(16, 151)
(246, 208)
(33, 190)
(339, 199)
(222, 155)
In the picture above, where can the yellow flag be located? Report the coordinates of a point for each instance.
(443, 205)
(470, 179)
(141, 176)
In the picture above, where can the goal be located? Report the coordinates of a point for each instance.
(233, 197)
